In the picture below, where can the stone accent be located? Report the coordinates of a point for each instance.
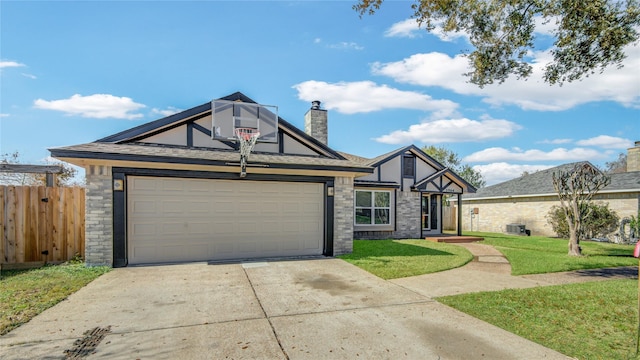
(407, 215)
(99, 216)
(633, 158)
(343, 216)
(316, 123)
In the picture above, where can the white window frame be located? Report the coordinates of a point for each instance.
(373, 208)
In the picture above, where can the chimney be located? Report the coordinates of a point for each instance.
(633, 158)
(315, 122)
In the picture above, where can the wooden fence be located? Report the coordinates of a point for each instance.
(449, 217)
(41, 224)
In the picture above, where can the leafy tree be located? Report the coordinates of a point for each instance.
(575, 188)
(66, 178)
(617, 166)
(600, 221)
(589, 35)
(451, 160)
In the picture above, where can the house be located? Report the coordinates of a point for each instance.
(172, 190)
(412, 183)
(526, 200)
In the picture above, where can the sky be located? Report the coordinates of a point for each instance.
(74, 72)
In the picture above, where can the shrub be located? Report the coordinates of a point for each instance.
(597, 221)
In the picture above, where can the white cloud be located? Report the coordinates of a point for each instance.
(556, 141)
(7, 64)
(441, 70)
(545, 26)
(454, 130)
(606, 142)
(410, 29)
(166, 112)
(498, 172)
(367, 96)
(496, 154)
(346, 46)
(405, 28)
(4, 115)
(94, 106)
(30, 76)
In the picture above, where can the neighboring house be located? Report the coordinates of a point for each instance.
(169, 191)
(527, 200)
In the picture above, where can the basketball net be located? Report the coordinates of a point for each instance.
(247, 138)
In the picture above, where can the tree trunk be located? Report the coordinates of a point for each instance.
(574, 242)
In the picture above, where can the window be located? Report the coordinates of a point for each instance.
(373, 207)
(408, 166)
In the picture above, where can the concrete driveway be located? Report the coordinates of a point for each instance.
(304, 309)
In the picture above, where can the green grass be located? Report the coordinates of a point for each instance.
(26, 293)
(539, 255)
(595, 320)
(392, 259)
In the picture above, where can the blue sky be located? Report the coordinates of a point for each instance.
(74, 72)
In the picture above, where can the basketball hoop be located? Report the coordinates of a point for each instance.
(247, 138)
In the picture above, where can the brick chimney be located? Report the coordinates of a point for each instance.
(315, 122)
(633, 158)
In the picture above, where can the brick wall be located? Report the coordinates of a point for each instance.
(343, 216)
(407, 215)
(495, 214)
(99, 216)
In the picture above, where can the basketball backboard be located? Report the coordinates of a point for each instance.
(229, 115)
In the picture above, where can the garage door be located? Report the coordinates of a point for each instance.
(175, 219)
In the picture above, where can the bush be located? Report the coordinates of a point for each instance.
(597, 221)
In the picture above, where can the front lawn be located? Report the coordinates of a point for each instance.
(595, 320)
(539, 255)
(26, 293)
(392, 259)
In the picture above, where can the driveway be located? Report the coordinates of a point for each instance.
(306, 309)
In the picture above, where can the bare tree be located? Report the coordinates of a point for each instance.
(575, 189)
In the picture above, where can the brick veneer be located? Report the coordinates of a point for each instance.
(99, 216)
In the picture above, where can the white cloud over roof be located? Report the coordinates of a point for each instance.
(498, 154)
(606, 142)
(94, 106)
(451, 131)
(367, 96)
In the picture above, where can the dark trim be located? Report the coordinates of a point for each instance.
(374, 185)
(119, 222)
(329, 212)
(160, 123)
(194, 161)
(202, 129)
(190, 134)
(459, 215)
(280, 142)
(309, 138)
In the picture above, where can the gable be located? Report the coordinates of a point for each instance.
(192, 129)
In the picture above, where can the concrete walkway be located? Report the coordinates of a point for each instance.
(491, 271)
(305, 309)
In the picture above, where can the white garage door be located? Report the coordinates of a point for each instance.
(175, 219)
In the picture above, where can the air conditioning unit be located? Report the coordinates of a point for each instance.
(517, 229)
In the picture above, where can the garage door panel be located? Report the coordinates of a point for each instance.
(172, 219)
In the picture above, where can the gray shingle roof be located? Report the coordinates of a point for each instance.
(175, 154)
(540, 183)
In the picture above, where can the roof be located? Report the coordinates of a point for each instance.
(441, 170)
(541, 183)
(127, 146)
(199, 156)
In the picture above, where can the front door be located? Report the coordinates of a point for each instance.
(429, 213)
